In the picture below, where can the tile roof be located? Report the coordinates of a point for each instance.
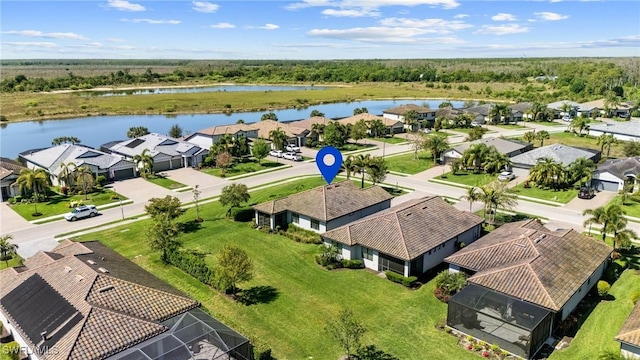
(408, 230)
(630, 331)
(327, 202)
(561, 153)
(523, 260)
(308, 123)
(502, 145)
(621, 167)
(369, 117)
(9, 167)
(402, 109)
(448, 113)
(266, 126)
(230, 129)
(631, 128)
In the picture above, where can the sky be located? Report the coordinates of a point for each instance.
(317, 29)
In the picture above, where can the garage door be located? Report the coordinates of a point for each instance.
(123, 174)
(176, 163)
(161, 166)
(606, 185)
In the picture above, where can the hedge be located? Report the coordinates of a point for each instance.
(397, 278)
(193, 265)
(299, 234)
(243, 214)
(352, 264)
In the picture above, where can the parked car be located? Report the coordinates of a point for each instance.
(276, 153)
(426, 131)
(292, 148)
(586, 193)
(475, 124)
(567, 118)
(292, 156)
(506, 176)
(82, 212)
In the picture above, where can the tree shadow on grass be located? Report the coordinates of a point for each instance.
(258, 295)
(190, 226)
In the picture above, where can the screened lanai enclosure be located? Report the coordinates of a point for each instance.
(193, 335)
(517, 326)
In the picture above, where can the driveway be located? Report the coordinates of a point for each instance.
(11, 221)
(140, 190)
(193, 177)
(602, 198)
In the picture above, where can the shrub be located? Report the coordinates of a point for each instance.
(304, 236)
(450, 282)
(495, 348)
(397, 278)
(261, 351)
(12, 350)
(603, 288)
(441, 295)
(352, 264)
(242, 214)
(101, 180)
(193, 264)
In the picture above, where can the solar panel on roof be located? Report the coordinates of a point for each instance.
(133, 144)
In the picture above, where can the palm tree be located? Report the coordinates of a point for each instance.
(318, 129)
(498, 113)
(566, 108)
(84, 178)
(579, 123)
(436, 145)
(7, 249)
(377, 127)
(581, 169)
(611, 219)
(279, 137)
(471, 196)
(144, 162)
(361, 163)
(348, 165)
(497, 195)
(542, 135)
(475, 156)
(411, 119)
(606, 140)
(65, 172)
(611, 101)
(36, 181)
(529, 136)
(496, 161)
(538, 111)
(547, 172)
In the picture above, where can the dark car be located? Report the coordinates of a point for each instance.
(586, 193)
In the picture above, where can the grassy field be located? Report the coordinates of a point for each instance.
(34, 106)
(59, 204)
(304, 295)
(390, 140)
(468, 178)
(585, 141)
(14, 261)
(406, 163)
(165, 182)
(245, 168)
(561, 196)
(511, 126)
(631, 206)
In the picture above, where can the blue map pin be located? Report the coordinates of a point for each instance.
(329, 161)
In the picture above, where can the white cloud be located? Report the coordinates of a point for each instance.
(205, 7)
(501, 29)
(430, 25)
(124, 5)
(372, 4)
(550, 16)
(351, 12)
(116, 40)
(36, 44)
(555, 1)
(461, 16)
(265, 27)
(54, 35)
(326, 45)
(503, 17)
(222, 25)
(382, 34)
(627, 41)
(152, 21)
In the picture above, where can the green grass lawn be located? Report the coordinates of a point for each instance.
(631, 206)
(561, 196)
(245, 168)
(390, 140)
(406, 163)
(549, 123)
(355, 147)
(511, 126)
(597, 333)
(165, 182)
(59, 204)
(468, 178)
(399, 321)
(14, 261)
(584, 141)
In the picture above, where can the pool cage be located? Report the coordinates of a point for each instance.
(193, 335)
(517, 326)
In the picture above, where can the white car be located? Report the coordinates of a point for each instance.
(475, 124)
(567, 118)
(292, 148)
(292, 156)
(276, 153)
(506, 176)
(82, 212)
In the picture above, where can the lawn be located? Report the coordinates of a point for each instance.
(304, 295)
(561, 196)
(355, 147)
(165, 182)
(631, 206)
(16, 260)
(245, 168)
(468, 178)
(597, 333)
(406, 163)
(511, 126)
(59, 204)
(390, 140)
(585, 141)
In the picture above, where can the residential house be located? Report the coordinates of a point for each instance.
(392, 126)
(560, 153)
(425, 114)
(168, 153)
(524, 281)
(480, 113)
(614, 174)
(448, 114)
(323, 208)
(206, 137)
(308, 124)
(84, 301)
(629, 335)
(557, 108)
(9, 173)
(601, 108)
(52, 159)
(295, 135)
(521, 111)
(510, 148)
(591, 108)
(410, 239)
(623, 130)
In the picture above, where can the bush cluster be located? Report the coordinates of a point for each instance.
(298, 234)
(352, 264)
(603, 288)
(193, 265)
(242, 214)
(397, 278)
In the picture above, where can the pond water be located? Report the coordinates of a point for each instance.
(95, 131)
(217, 88)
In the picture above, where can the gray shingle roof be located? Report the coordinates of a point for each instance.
(631, 128)
(51, 158)
(483, 110)
(561, 153)
(630, 331)
(558, 104)
(524, 259)
(523, 107)
(502, 145)
(327, 202)
(621, 167)
(157, 144)
(408, 230)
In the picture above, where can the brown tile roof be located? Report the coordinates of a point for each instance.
(9, 167)
(327, 202)
(408, 230)
(402, 109)
(630, 331)
(308, 123)
(523, 260)
(226, 129)
(266, 126)
(369, 117)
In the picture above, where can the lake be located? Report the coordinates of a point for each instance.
(200, 89)
(95, 131)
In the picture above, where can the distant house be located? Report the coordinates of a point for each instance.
(625, 130)
(560, 153)
(629, 335)
(113, 167)
(524, 281)
(521, 111)
(168, 153)
(295, 135)
(206, 137)
(614, 174)
(448, 114)
(84, 301)
(323, 208)
(9, 172)
(392, 126)
(600, 108)
(510, 148)
(424, 114)
(308, 124)
(409, 238)
(480, 113)
(557, 106)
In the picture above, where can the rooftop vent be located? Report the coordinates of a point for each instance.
(91, 262)
(68, 269)
(79, 278)
(103, 270)
(44, 335)
(424, 207)
(521, 245)
(539, 238)
(407, 214)
(106, 288)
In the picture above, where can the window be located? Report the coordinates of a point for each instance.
(315, 224)
(367, 253)
(295, 218)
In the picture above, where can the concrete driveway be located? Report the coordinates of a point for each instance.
(140, 190)
(602, 198)
(193, 177)
(10, 220)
